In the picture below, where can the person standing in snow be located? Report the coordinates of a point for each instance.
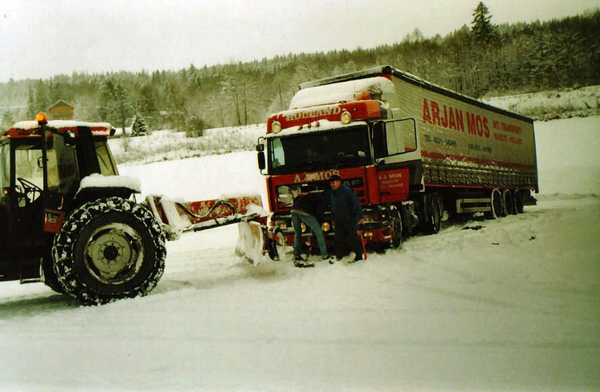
(306, 209)
(347, 212)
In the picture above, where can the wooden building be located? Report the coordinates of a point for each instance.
(61, 110)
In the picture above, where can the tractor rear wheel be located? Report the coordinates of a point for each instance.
(109, 249)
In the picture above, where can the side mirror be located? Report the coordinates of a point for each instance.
(260, 147)
(70, 138)
(262, 163)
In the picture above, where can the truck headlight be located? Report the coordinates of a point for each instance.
(276, 127)
(346, 117)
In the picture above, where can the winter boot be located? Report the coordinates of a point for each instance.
(299, 262)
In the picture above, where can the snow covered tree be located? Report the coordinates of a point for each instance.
(31, 108)
(196, 127)
(138, 128)
(7, 120)
(42, 101)
(114, 105)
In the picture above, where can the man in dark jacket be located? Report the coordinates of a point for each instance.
(346, 215)
(306, 209)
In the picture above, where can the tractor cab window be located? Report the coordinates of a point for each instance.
(63, 169)
(105, 159)
(29, 173)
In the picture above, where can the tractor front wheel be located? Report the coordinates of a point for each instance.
(109, 249)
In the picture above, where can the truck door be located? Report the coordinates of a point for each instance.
(397, 157)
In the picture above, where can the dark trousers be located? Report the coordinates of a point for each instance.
(346, 228)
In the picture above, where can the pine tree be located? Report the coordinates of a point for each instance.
(138, 128)
(484, 31)
(7, 120)
(31, 108)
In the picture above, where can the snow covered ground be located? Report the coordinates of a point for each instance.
(514, 305)
(549, 105)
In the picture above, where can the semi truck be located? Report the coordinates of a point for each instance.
(415, 154)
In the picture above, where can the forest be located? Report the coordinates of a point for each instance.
(480, 60)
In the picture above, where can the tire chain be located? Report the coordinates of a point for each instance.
(65, 240)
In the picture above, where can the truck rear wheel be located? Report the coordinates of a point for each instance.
(518, 199)
(495, 204)
(508, 201)
(109, 249)
(433, 213)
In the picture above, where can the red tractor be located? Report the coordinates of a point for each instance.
(69, 220)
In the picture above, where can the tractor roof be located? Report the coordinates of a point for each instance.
(25, 129)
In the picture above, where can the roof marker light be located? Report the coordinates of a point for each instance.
(346, 117)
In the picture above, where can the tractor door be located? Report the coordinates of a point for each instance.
(21, 209)
(5, 264)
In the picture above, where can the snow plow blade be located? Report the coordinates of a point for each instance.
(181, 217)
(255, 241)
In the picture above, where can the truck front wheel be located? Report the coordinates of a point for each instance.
(395, 221)
(109, 249)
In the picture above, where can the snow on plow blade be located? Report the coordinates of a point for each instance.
(181, 217)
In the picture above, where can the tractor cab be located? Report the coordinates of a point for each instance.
(41, 167)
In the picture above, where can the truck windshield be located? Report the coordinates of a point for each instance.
(321, 150)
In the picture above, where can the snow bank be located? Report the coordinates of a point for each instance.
(167, 145)
(568, 155)
(582, 102)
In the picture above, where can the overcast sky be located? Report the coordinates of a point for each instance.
(42, 38)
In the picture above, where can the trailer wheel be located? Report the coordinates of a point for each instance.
(395, 221)
(495, 204)
(109, 249)
(508, 201)
(518, 200)
(433, 213)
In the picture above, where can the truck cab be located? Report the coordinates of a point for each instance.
(352, 129)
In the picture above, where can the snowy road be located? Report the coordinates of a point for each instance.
(514, 305)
